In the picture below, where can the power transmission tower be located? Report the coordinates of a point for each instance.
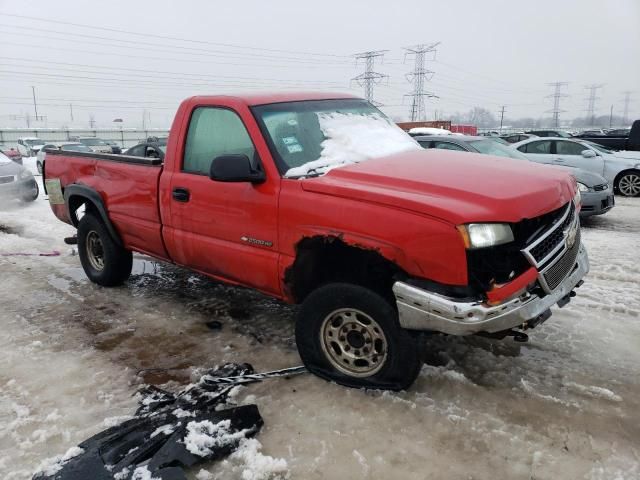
(627, 101)
(591, 101)
(557, 95)
(92, 121)
(502, 108)
(418, 77)
(369, 78)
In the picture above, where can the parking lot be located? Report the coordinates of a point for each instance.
(563, 405)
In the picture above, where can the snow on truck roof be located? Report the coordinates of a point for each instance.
(264, 98)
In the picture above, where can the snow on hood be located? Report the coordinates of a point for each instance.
(352, 138)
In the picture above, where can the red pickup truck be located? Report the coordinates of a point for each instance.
(320, 200)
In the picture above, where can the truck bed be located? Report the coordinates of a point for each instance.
(128, 187)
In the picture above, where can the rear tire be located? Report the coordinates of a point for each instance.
(103, 260)
(350, 335)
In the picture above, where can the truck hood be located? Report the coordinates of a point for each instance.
(457, 187)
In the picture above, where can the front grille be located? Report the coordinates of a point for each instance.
(554, 274)
(600, 188)
(7, 179)
(553, 240)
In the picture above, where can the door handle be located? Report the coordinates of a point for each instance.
(180, 194)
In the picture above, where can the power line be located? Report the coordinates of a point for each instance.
(181, 50)
(557, 95)
(418, 77)
(110, 69)
(167, 37)
(591, 101)
(369, 78)
(172, 59)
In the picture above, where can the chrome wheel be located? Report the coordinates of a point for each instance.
(353, 342)
(629, 185)
(95, 251)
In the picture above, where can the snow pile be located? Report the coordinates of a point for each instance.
(53, 465)
(142, 473)
(249, 463)
(203, 436)
(352, 138)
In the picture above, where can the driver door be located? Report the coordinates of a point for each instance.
(225, 229)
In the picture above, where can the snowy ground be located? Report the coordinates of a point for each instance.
(564, 406)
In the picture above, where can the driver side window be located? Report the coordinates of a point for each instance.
(214, 132)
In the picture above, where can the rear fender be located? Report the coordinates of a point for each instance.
(75, 195)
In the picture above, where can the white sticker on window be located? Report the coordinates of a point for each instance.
(296, 148)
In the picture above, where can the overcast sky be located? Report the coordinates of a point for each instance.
(491, 53)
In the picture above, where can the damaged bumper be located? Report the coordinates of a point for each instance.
(419, 309)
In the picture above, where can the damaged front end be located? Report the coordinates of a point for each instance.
(520, 281)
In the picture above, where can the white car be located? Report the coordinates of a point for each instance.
(65, 146)
(29, 146)
(621, 169)
(96, 144)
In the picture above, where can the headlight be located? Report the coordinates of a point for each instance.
(577, 198)
(481, 235)
(582, 187)
(24, 174)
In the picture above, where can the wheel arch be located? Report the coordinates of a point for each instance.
(76, 195)
(321, 259)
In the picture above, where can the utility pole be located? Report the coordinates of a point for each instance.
(369, 78)
(556, 95)
(71, 110)
(35, 105)
(610, 116)
(92, 121)
(627, 101)
(418, 77)
(591, 101)
(502, 116)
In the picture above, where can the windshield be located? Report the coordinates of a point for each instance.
(312, 137)
(597, 147)
(75, 147)
(563, 134)
(92, 142)
(163, 148)
(34, 141)
(490, 147)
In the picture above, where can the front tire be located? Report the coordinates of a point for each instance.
(349, 334)
(103, 260)
(628, 184)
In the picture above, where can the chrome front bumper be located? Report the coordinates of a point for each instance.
(422, 310)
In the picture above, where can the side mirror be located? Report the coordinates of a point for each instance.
(234, 168)
(588, 153)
